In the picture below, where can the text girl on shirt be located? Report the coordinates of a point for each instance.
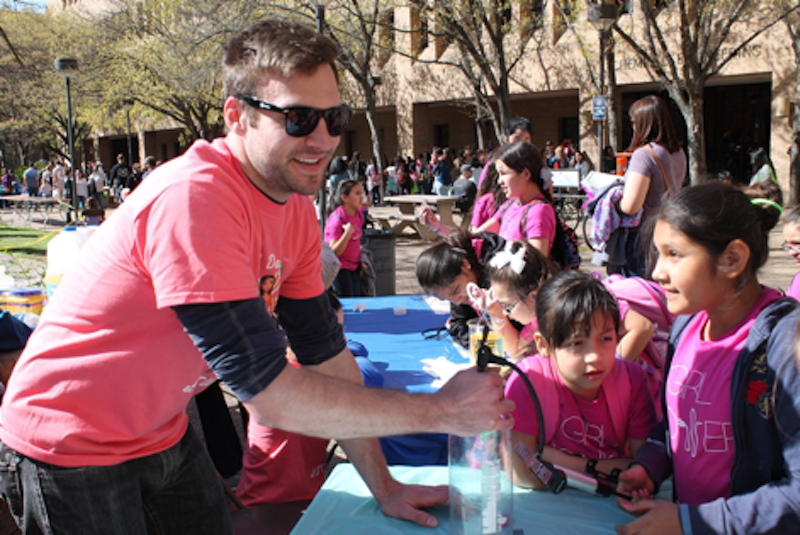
(515, 275)
(731, 438)
(596, 406)
(528, 213)
(343, 234)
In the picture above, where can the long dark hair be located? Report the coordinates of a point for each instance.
(344, 188)
(439, 265)
(652, 124)
(491, 185)
(712, 215)
(522, 155)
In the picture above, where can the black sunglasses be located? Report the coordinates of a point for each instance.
(302, 120)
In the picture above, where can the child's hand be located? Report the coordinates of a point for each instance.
(347, 229)
(426, 216)
(635, 482)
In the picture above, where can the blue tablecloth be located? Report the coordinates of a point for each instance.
(345, 505)
(395, 343)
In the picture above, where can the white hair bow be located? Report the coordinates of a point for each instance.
(507, 258)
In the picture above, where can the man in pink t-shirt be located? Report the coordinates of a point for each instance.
(167, 296)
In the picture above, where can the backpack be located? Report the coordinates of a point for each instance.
(565, 251)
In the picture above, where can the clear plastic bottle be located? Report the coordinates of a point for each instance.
(6, 280)
(62, 251)
(481, 490)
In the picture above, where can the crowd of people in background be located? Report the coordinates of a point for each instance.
(52, 179)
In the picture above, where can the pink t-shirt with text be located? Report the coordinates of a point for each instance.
(540, 221)
(584, 428)
(334, 230)
(108, 373)
(698, 390)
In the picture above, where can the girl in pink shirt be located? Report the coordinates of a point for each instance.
(731, 428)
(528, 213)
(343, 234)
(596, 407)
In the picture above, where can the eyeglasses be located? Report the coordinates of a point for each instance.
(790, 247)
(508, 309)
(302, 120)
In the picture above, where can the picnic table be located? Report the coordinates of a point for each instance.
(25, 205)
(408, 204)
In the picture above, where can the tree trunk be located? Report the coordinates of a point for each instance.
(695, 126)
(794, 149)
(374, 129)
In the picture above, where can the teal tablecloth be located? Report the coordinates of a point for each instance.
(344, 505)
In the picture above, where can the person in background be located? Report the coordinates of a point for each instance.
(731, 436)
(149, 166)
(94, 213)
(9, 182)
(609, 160)
(185, 257)
(134, 179)
(374, 181)
(59, 181)
(343, 231)
(656, 170)
(791, 244)
(358, 168)
(98, 181)
(466, 190)
(517, 129)
(489, 199)
(582, 164)
(81, 188)
(31, 177)
(338, 172)
(762, 168)
(119, 177)
(443, 171)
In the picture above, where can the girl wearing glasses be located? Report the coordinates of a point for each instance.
(598, 409)
(791, 235)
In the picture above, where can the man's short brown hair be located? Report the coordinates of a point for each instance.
(274, 47)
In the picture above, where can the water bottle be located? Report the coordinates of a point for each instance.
(6, 280)
(62, 251)
(481, 490)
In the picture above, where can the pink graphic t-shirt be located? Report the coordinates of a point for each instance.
(584, 428)
(698, 390)
(108, 373)
(334, 231)
(539, 221)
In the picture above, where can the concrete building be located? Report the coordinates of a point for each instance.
(747, 105)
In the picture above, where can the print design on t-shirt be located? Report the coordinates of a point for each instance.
(270, 284)
(711, 436)
(578, 430)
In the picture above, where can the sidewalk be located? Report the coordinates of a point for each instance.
(778, 272)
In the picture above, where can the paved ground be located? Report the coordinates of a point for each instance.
(778, 272)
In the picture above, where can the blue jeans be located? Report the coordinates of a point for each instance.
(175, 491)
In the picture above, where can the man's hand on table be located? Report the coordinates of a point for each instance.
(472, 402)
(407, 501)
